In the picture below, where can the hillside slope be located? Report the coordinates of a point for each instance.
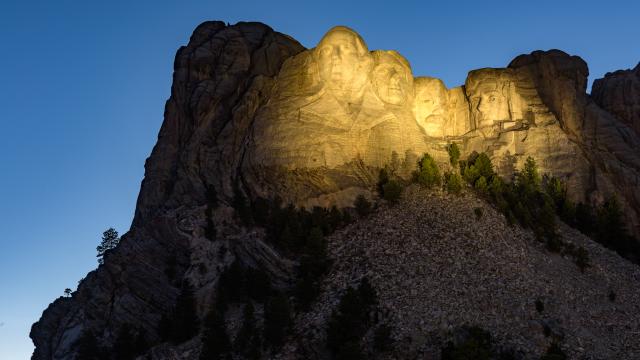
(437, 267)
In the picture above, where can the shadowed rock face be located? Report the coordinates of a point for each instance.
(254, 113)
(219, 81)
(220, 78)
(619, 94)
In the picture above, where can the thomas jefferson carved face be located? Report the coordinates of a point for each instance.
(343, 61)
(392, 77)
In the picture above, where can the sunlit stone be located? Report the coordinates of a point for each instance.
(392, 77)
(431, 105)
(344, 63)
(341, 109)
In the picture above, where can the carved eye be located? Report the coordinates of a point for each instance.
(347, 49)
(325, 51)
(492, 98)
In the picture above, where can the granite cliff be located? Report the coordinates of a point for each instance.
(618, 93)
(255, 115)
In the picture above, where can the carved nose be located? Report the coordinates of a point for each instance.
(395, 82)
(336, 54)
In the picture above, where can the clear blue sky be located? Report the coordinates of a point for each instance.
(83, 86)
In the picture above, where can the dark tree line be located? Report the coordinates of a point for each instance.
(534, 201)
(351, 320)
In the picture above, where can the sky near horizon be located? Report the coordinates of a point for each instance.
(83, 87)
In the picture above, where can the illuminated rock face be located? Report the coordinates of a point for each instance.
(430, 107)
(338, 104)
(339, 112)
(511, 123)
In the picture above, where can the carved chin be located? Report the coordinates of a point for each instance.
(339, 80)
(396, 99)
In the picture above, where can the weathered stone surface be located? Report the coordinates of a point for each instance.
(510, 122)
(431, 107)
(611, 148)
(561, 82)
(252, 113)
(336, 109)
(619, 94)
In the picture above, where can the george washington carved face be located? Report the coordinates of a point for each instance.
(343, 61)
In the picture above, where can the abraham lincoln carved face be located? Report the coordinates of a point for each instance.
(489, 92)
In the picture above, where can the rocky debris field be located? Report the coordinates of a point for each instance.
(438, 265)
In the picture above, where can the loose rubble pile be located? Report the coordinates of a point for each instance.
(438, 266)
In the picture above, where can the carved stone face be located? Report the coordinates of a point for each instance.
(343, 61)
(392, 77)
(488, 90)
(430, 105)
(492, 105)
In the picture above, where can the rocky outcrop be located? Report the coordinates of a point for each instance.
(511, 122)
(612, 149)
(220, 78)
(254, 114)
(619, 94)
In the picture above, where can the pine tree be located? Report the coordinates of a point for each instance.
(362, 205)
(454, 154)
(109, 241)
(529, 178)
(350, 321)
(428, 174)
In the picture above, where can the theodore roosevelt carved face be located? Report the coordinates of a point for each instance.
(344, 62)
(430, 105)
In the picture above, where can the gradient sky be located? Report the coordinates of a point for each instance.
(83, 87)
